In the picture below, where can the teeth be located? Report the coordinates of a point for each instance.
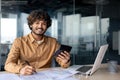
(40, 29)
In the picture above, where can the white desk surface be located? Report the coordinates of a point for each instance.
(100, 74)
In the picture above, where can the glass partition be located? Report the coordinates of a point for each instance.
(84, 25)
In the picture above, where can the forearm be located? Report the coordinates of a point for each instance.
(12, 67)
(13, 64)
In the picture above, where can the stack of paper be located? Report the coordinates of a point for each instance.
(49, 74)
(9, 76)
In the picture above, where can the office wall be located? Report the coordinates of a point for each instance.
(83, 38)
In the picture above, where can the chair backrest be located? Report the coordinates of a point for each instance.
(4, 49)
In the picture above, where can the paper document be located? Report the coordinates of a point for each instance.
(70, 78)
(9, 76)
(49, 74)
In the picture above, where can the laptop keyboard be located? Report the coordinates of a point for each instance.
(84, 68)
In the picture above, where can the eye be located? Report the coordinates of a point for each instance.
(44, 23)
(37, 23)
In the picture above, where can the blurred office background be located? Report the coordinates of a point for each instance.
(83, 24)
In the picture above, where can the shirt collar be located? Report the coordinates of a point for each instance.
(33, 40)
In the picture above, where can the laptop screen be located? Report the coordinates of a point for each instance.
(99, 58)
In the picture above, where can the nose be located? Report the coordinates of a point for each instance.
(40, 25)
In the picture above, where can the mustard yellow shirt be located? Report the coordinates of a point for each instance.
(26, 48)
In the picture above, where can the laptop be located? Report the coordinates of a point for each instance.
(89, 70)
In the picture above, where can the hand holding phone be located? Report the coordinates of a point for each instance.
(62, 49)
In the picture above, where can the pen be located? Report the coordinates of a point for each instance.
(29, 65)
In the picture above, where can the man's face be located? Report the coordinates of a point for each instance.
(39, 27)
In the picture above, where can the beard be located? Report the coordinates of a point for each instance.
(38, 32)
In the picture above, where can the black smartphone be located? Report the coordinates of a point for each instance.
(63, 48)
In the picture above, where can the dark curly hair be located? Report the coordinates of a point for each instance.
(39, 15)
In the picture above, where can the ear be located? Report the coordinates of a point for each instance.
(30, 26)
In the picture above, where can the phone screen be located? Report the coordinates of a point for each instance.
(63, 48)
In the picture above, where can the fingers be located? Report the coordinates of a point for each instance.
(27, 70)
(63, 57)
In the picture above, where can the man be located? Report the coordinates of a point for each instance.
(35, 50)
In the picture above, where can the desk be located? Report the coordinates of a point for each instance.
(101, 74)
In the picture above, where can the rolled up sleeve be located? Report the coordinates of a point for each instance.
(11, 64)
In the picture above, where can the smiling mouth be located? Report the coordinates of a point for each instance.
(40, 30)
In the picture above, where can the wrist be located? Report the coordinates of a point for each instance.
(67, 64)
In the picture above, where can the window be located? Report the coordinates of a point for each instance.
(8, 30)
